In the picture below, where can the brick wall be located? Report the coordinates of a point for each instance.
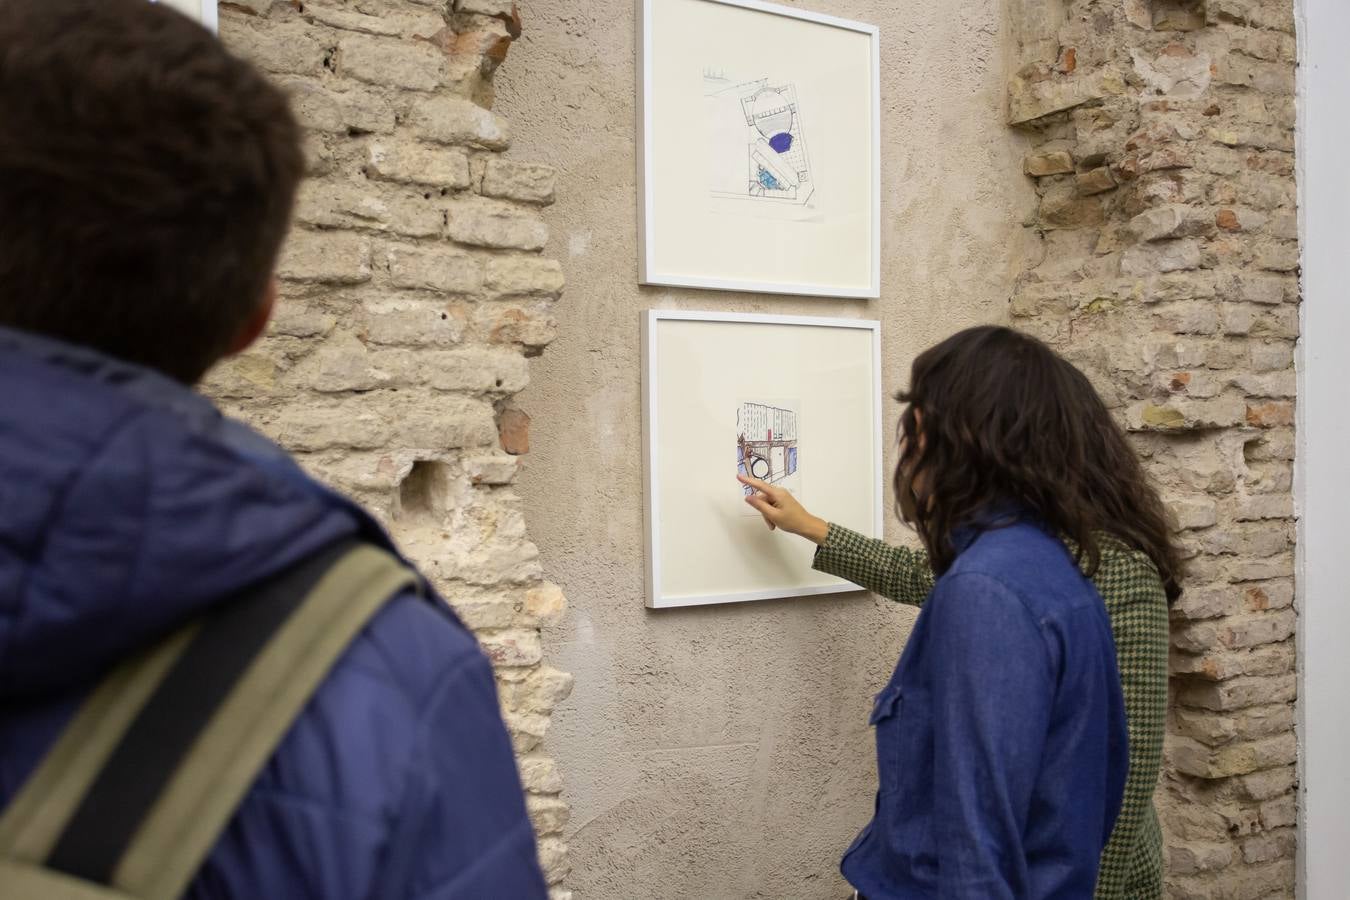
(413, 294)
(1163, 138)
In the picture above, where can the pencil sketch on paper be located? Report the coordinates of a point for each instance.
(759, 150)
(767, 444)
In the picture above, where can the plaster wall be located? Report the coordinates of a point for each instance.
(724, 752)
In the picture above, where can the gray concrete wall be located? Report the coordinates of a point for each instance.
(724, 752)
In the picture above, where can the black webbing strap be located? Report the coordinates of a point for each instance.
(232, 636)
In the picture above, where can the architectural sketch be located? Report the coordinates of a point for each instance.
(767, 159)
(766, 442)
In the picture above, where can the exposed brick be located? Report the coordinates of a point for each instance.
(514, 429)
(549, 814)
(1039, 165)
(540, 775)
(525, 182)
(1095, 181)
(488, 223)
(518, 275)
(1239, 693)
(282, 48)
(455, 120)
(325, 257)
(1267, 415)
(1193, 758)
(415, 65)
(512, 648)
(413, 163)
(442, 269)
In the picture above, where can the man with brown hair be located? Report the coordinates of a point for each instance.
(146, 184)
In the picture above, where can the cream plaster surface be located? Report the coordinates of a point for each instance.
(724, 752)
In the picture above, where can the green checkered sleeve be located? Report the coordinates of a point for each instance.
(896, 573)
(1137, 607)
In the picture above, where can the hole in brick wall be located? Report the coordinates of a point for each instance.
(1178, 15)
(423, 492)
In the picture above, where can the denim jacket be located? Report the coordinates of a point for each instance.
(1001, 740)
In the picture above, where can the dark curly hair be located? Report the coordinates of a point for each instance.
(995, 417)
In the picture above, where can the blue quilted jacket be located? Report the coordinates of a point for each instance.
(128, 504)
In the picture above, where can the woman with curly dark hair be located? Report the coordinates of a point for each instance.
(1021, 488)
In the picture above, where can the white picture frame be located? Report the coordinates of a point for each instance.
(204, 11)
(692, 232)
(704, 545)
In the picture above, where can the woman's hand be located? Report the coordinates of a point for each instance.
(781, 510)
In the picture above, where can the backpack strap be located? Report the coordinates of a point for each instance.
(137, 790)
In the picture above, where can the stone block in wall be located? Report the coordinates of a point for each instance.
(1273, 14)
(486, 7)
(414, 163)
(377, 419)
(291, 48)
(479, 222)
(1268, 784)
(411, 321)
(351, 111)
(492, 468)
(1273, 880)
(520, 275)
(1031, 99)
(1160, 257)
(1239, 693)
(456, 120)
(526, 182)
(514, 323)
(432, 268)
(553, 858)
(325, 258)
(1222, 665)
(1176, 73)
(549, 814)
(1196, 857)
(1039, 165)
(1186, 415)
(360, 205)
(1190, 757)
(415, 65)
(1280, 844)
(540, 775)
(544, 603)
(518, 647)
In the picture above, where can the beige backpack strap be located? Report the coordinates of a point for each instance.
(137, 791)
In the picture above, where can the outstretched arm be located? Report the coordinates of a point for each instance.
(896, 573)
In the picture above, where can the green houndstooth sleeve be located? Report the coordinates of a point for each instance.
(1137, 607)
(896, 573)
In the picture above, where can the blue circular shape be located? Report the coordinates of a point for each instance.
(781, 142)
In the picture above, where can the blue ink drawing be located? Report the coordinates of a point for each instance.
(767, 180)
(774, 143)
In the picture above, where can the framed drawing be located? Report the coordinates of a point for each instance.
(203, 11)
(759, 130)
(798, 401)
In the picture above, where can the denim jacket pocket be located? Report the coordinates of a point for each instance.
(885, 719)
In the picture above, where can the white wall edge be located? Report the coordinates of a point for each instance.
(1322, 479)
